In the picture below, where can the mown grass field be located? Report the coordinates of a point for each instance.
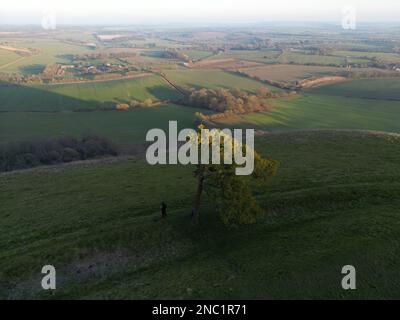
(334, 202)
(83, 95)
(121, 126)
(212, 79)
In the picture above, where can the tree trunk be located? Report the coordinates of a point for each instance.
(197, 201)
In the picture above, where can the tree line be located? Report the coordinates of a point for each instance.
(227, 103)
(277, 84)
(29, 154)
(175, 55)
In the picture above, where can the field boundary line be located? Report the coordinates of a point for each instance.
(140, 75)
(172, 84)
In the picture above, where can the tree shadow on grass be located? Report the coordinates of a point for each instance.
(33, 98)
(164, 93)
(23, 98)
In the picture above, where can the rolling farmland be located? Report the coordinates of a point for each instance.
(75, 188)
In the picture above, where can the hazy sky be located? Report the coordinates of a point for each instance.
(154, 11)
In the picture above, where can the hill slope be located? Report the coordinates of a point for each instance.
(334, 202)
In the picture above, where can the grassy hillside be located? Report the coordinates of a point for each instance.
(334, 202)
(83, 95)
(368, 104)
(320, 111)
(120, 126)
(382, 89)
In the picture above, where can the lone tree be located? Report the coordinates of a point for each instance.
(231, 195)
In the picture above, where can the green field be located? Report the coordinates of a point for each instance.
(380, 89)
(197, 54)
(369, 104)
(120, 126)
(334, 202)
(317, 111)
(325, 107)
(83, 95)
(302, 58)
(212, 79)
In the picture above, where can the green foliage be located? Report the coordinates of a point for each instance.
(175, 54)
(23, 155)
(222, 100)
(232, 195)
(227, 103)
(233, 199)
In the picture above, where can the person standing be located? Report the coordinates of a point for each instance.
(163, 210)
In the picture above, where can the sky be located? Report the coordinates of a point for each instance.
(166, 11)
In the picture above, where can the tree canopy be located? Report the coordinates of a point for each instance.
(232, 195)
